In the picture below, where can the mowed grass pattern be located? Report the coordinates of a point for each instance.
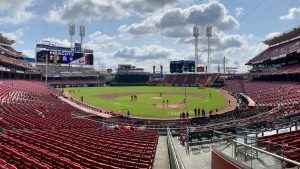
(144, 105)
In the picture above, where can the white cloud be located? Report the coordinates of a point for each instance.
(142, 56)
(29, 52)
(147, 56)
(15, 11)
(220, 41)
(292, 14)
(146, 53)
(235, 57)
(239, 11)
(78, 10)
(98, 41)
(272, 35)
(177, 22)
(16, 36)
(236, 48)
(64, 42)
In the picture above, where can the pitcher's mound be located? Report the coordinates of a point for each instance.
(171, 106)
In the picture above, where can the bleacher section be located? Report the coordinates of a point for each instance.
(39, 131)
(67, 71)
(280, 60)
(277, 51)
(282, 70)
(20, 63)
(12, 63)
(286, 144)
(190, 79)
(266, 93)
(9, 51)
(59, 75)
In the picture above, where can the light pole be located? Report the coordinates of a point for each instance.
(196, 35)
(208, 35)
(185, 93)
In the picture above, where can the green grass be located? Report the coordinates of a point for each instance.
(144, 105)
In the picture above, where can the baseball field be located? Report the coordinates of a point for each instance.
(151, 102)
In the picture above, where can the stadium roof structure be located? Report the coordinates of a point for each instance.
(5, 40)
(286, 36)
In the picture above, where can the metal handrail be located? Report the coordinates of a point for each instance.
(178, 161)
(269, 153)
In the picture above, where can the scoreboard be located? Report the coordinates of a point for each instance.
(182, 66)
(63, 55)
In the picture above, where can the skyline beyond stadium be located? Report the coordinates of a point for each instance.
(129, 31)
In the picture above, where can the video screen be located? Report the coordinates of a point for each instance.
(62, 55)
(182, 66)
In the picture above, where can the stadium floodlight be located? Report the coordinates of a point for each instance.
(208, 35)
(196, 35)
(71, 29)
(71, 33)
(82, 31)
(224, 64)
(81, 34)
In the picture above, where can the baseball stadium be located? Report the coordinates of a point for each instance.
(149, 85)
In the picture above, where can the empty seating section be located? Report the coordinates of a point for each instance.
(275, 51)
(8, 50)
(15, 62)
(266, 93)
(81, 81)
(68, 71)
(6, 165)
(286, 144)
(39, 131)
(98, 148)
(290, 69)
(272, 70)
(18, 91)
(191, 79)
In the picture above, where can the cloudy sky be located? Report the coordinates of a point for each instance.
(151, 32)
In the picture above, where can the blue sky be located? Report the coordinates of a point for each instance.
(130, 31)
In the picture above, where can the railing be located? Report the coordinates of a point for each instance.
(175, 159)
(244, 150)
(256, 150)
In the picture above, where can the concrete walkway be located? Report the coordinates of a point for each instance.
(161, 160)
(198, 157)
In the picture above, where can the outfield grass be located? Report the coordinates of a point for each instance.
(144, 105)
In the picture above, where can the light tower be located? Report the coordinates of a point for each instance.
(208, 35)
(81, 34)
(196, 35)
(71, 33)
(224, 65)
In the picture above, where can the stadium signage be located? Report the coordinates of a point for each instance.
(63, 55)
